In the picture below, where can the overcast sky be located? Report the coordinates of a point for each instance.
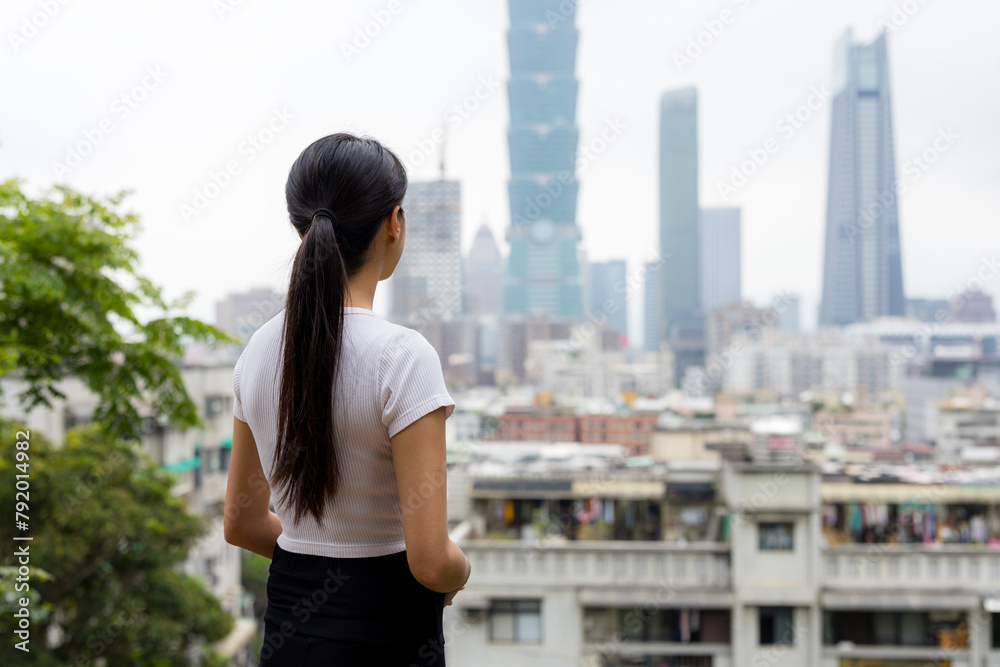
(171, 92)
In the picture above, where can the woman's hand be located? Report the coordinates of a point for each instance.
(451, 596)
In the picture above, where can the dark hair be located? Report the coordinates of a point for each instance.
(361, 182)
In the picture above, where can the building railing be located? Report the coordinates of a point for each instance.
(964, 567)
(546, 563)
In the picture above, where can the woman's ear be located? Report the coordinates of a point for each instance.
(394, 224)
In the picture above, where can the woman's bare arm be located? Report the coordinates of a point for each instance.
(418, 456)
(248, 520)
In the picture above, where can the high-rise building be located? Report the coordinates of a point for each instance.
(789, 313)
(862, 273)
(719, 242)
(427, 282)
(972, 306)
(484, 275)
(681, 322)
(543, 274)
(607, 299)
(925, 310)
(242, 313)
(651, 307)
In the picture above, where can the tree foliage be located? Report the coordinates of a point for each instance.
(70, 292)
(112, 540)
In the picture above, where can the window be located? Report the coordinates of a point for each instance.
(516, 621)
(776, 626)
(775, 536)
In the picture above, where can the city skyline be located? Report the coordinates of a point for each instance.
(625, 222)
(786, 196)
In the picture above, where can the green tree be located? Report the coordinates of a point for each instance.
(112, 541)
(70, 289)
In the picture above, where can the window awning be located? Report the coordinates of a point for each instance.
(645, 596)
(932, 494)
(183, 466)
(898, 600)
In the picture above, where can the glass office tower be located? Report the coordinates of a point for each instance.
(862, 273)
(719, 238)
(681, 321)
(543, 272)
(427, 282)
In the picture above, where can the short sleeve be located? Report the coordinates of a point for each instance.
(237, 400)
(411, 382)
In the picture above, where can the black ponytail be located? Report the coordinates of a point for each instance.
(359, 182)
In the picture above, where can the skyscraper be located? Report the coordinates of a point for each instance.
(427, 282)
(651, 307)
(788, 313)
(607, 300)
(681, 322)
(543, 273)
(243, 313)
(719, 241)
(484, 275)
(862, 272)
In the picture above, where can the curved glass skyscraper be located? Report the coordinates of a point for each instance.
(862, 273)
(543, 272)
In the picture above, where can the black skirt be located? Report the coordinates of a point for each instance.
(351, 612)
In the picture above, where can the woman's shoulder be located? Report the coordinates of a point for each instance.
(401, 337)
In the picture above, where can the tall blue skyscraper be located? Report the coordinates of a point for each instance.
(681, 321)
(543, 272)
(862, 272)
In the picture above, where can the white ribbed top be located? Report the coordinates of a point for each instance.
(390, 377)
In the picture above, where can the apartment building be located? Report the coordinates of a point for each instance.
(200, 461)
(599, 559)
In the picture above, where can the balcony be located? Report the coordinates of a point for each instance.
(549, 563)
(972, 569)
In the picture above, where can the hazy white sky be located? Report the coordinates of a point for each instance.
(166, 93)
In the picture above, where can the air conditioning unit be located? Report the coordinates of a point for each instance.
(214, 405)
(473, 615)
(153, 425)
